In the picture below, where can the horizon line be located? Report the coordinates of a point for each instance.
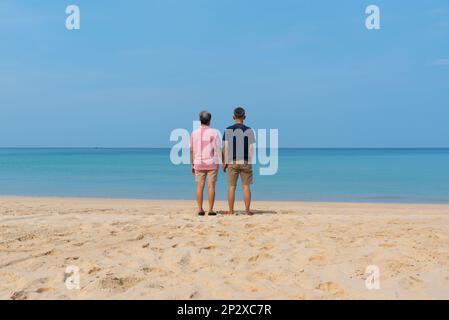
(84, 147)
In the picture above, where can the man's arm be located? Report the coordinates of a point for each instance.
(251, 153)
(251, 142)
(225, 155)
(191, 159)
(218, 151)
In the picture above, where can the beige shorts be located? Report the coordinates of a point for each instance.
(244, 170)
(201, 175)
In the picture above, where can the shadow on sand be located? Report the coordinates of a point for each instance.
(243, 213)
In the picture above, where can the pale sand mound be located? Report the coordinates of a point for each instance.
(130, 249)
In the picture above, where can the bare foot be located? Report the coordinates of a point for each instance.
(229, 213)
(249, 213)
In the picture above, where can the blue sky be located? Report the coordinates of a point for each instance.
(138, 69)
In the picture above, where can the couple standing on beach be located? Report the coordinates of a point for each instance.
(236, 158)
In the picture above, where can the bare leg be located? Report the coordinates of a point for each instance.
(211, 195)
(199, 195)
(247, 198)
(231, 199)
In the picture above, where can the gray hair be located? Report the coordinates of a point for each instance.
(205, 117)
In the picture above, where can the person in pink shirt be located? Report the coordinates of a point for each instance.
(205, 155)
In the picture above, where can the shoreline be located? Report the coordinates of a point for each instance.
(224, 201)
(159, 249)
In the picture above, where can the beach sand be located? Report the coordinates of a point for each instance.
(137, 249)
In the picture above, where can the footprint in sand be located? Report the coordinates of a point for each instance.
(139, 237)
(185, 260)
(152, 269)
(210, 247)
(94, 270)
(79, 244)
(26, 237)
(71, 258)
(330, 287)
(43, 290)
(156, 285)
(410, 282)
(317, 260)
(235, 260)
(258, 257)
(49, 253)
(267, 247)
(19, 295)
(157, 249)
(118, 284)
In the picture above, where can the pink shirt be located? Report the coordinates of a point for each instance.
(205, 143)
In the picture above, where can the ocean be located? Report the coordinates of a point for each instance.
(353, 175)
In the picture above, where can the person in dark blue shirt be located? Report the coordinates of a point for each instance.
(238, 152)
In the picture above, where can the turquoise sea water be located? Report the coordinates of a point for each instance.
(371, 175)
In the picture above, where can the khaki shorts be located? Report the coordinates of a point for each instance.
(201, 175)
(244, 170)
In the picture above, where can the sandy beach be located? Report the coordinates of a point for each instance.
(138, 249)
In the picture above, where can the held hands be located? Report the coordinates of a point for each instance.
(224, 167)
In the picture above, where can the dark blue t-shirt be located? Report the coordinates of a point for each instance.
(239, 138)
